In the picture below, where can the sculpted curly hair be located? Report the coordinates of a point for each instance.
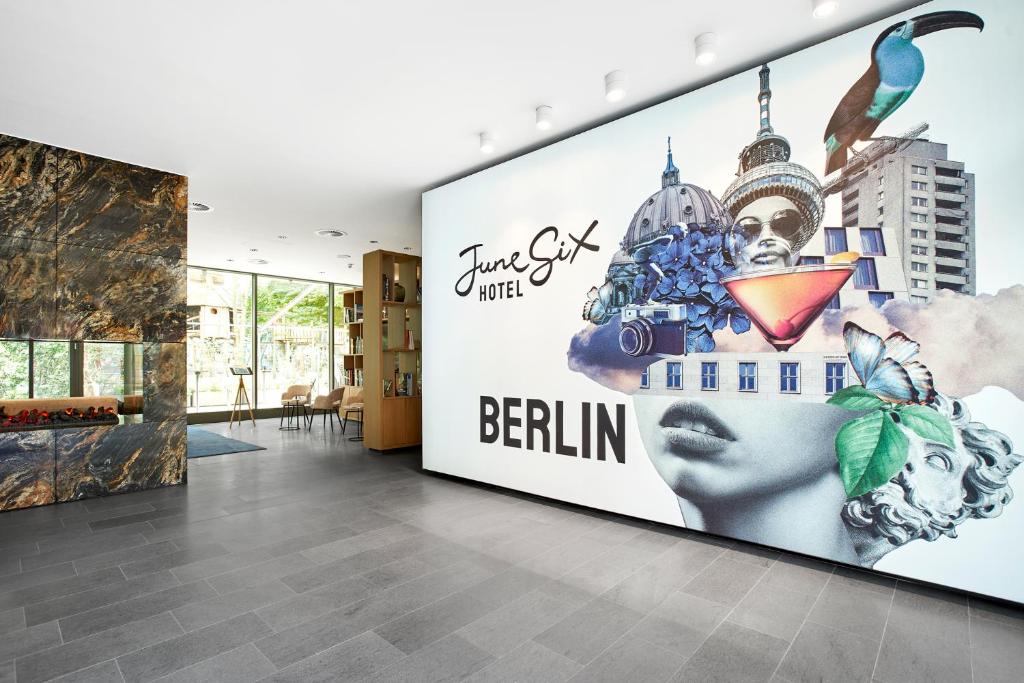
(894, 511)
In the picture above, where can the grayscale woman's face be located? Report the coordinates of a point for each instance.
(935, 475)
(768, 225)
(732, 448)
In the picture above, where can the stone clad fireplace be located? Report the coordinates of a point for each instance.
(92, 250)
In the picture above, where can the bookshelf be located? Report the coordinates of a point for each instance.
(354, 341)
(392, 336)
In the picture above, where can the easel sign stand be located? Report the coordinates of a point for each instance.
(241, 398)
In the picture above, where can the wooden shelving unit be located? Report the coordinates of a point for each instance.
(352, 355)
(392, 336)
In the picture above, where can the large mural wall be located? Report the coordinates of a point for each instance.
(94, 249)
(785, 308)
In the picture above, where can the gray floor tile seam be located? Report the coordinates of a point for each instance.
(970, 637)
(878, 655)
(109, 604)
(803, 623)
(123, 654)
(259, 653)
(725, 619)
(376, 626)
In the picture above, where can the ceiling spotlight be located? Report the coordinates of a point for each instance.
(231, 260)
(199, 207)
(486, 143)
(615, 85)
(282, 237)
(344, 256)
(543, 117)
(823, 8)
(704, 48)
(259, 261)
(407, 248)
(254, 249)
(374, 241)
(331, 233)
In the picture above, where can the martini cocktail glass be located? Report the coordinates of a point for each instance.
(782, 303)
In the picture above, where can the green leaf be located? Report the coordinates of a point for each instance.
(855, 397)
(871, 450)
(927, 424)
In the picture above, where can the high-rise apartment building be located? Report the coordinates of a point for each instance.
(926, 201)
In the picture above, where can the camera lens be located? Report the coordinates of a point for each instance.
(636, 337)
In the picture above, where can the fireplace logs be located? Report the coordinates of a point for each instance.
(45, 419)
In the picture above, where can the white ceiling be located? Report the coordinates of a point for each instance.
(289, 117)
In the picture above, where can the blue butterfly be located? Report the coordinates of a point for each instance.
(887, 368)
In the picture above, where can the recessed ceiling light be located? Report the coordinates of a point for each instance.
(331, 233)
(407, 248)
(374, 241)
(486, 143)
(615, 85)
(704, 48)
(199, 207)
(543, 117)
(823, 8)
(253, 249)
(321, 272)
(344, 256)
(231, 260)
(282, 237)
(259, 261)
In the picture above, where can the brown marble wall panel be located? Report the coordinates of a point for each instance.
(163, 381)
(113, 205)
(99, 461)
(28, 188)
(26, 469)
(119, 295)
(27, 292)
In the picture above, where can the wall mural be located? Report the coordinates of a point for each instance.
(816, 349)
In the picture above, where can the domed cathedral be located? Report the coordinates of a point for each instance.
(674, 204)
(766, 171)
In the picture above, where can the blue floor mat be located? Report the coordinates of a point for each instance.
(202, 443)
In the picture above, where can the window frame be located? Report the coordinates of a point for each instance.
(645, 378)
(881, 241)
(739, 371)
(704, 375)
(784, 378)
(836, 231)
(868, 264)
(669, 376)
(831, 378)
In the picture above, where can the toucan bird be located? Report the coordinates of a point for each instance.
(897, 67)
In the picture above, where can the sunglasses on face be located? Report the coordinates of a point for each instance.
(784, 224)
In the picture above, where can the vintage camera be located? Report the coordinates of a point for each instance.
(653, 329)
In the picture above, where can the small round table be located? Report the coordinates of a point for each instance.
(290, 414)
(357, 409)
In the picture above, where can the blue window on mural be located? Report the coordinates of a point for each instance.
(833, 303)
(878, 299)
(835, 377)
(812, 260)
(748, 376)
(835, 240)
(709, 376)
(674, 375)
(871, 242)
(789, 378)
(645, 379)
(865, 277)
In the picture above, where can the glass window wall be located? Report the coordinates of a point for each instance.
(219, 336)
(292, 333)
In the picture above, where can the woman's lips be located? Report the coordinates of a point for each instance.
(690, 427)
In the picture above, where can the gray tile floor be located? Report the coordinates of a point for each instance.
(316, 560)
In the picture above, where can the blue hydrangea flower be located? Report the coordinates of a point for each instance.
(686, 266)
